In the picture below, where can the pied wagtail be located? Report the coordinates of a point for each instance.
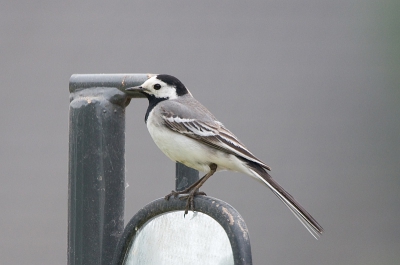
(188, 133)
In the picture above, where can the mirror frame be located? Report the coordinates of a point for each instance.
(223, 213)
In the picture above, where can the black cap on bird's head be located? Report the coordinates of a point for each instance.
(173, 81)
(161, 86)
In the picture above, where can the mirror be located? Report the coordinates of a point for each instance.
(170, 239)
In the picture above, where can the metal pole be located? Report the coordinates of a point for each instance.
(97, 165)
(185, 176)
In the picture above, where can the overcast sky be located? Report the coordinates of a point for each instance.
(310, 87)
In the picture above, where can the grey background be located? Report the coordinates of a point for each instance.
(311, 87)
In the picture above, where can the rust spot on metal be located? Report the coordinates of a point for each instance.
(230, 217)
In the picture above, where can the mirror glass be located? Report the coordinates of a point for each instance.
(173, 239)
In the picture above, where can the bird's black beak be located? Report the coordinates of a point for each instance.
(135, 89)
(135, 92)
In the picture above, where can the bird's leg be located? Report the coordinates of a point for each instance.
(185, 191)
(195, 186)
(193, 190)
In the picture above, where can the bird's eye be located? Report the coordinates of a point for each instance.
(157, 86)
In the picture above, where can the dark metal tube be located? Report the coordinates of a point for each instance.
(185, 176)
(120, 81)
(97, 165)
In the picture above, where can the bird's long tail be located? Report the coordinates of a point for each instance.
(304, 217)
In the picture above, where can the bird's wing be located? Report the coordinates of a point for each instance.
(209, 132)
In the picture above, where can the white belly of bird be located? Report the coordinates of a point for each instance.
(190, 152)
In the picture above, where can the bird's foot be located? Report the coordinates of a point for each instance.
(188, 195)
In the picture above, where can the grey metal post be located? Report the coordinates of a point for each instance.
(97, 165)
(185, 176)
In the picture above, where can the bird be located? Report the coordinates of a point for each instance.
(188, 133)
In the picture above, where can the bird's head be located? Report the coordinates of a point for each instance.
(161, 86)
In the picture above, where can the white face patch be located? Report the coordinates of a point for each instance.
(159, 89)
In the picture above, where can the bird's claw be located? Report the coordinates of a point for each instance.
(189, 197)
(173, 193)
